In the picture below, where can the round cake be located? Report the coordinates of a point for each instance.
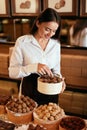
(50, 85)
(72, 123)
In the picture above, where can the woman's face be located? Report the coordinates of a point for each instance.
(46, 29)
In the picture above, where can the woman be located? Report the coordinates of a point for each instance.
(37, 54)
(78, 33)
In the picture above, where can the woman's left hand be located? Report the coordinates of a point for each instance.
(63, 85)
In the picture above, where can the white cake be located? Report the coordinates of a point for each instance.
(49, 88)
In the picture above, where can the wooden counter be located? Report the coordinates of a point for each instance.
(74, 66)
(74, 50)
(4, 47)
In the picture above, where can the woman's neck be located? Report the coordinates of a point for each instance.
(42, 42)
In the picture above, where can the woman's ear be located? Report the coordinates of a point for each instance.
(37, 23)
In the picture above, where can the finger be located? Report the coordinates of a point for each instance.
(48, 71)
(43, 71)
(63, 78)
(51, 74)
(63, 87)
(40, 72)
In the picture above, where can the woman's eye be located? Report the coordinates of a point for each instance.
(47, 29)
(50, 30)
(54, 31)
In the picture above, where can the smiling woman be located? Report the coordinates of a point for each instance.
(31, 55)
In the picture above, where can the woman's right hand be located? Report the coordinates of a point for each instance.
(44, 69)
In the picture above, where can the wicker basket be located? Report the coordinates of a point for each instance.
(20, 111)
(2, 109)
(19, 118)
(72, 123)
(50, 125)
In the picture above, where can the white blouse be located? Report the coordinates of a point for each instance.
(27, 53)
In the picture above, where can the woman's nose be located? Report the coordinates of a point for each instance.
(51, 33)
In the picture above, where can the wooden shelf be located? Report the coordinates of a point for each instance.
(4, 47)
(77, 88)
(6, 77)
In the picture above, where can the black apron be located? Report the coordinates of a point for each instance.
(29, 88)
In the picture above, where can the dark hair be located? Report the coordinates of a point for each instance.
(48, 15)
(79, 26)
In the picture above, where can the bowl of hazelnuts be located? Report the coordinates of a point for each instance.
(48, 115)
(50, 85)
(20, 111)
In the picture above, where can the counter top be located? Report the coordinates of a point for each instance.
(23, 127)
(7, 42)
(73, 47)
(63, 45)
